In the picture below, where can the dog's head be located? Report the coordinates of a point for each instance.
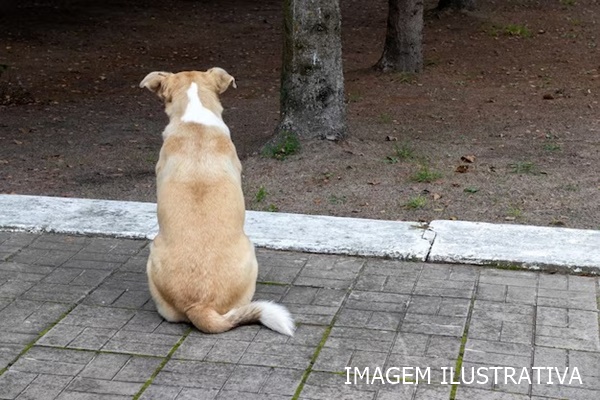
(173, 88)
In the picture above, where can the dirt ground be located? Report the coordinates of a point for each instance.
(512, 89)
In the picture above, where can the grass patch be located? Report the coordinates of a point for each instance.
(354, 97)
(517, 31)
(513, 30)
(260, 194)
(523, 167)
(416, 202)
(552, 147)
(272, 208)
(333, 199)
(286, 145)
(514, 212)
(385, 118)
(391, 160)
(425, 174)
(471, 190)
(404, 151)
(405, 77)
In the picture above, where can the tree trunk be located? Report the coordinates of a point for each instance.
(403, 50)
(457, 4)
(312, 79)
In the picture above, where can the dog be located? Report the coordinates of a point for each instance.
(202, 267)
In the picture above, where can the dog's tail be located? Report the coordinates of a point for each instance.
(271, 315)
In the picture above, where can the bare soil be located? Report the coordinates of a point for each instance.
(505, 117)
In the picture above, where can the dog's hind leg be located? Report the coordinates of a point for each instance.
(163, 307)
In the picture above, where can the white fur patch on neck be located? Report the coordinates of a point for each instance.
(196, 112)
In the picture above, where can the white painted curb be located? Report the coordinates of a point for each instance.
(315, 234)
(532, 247)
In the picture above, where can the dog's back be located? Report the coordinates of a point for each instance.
(202, 266)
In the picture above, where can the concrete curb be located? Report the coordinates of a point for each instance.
(555, 249)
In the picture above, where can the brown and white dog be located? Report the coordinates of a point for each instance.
(202, 267)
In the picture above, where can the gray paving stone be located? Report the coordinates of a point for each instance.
(194, 374)
(247, 378)
(14, 288)
(550, 357)
(582, 300)
(587, 363)
(111, 258)
(12, 383)
(333, 359)
(69, 395)
(519, 294)
(115, 246)
(377, 301)
(433, 324)
(322, 385)
(446, 288)
(564, 392)
(57, 292)
(41, 360)
(312, 314)
(28, 316)
(45, 387)
(282, 267)
(152, 344)
(283, 381)
(503, 312)
(507, 277)
(332, 272)
(492, 292)
(580, 332)
(98, 317)
(52, 258)
(471, 393)
(104, 366)
(360, 339)
(270, 292)
(228, 394)
(101, 386)
(76, 277)
(158, 392)
(277, 355)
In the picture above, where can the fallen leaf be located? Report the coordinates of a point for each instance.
(436, 196)
(18, 142)
(468, 159)
(462, 169)
(391, 138)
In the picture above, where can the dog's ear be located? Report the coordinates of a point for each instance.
(222, 79)
(153, 81)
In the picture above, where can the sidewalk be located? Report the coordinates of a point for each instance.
(77, 322)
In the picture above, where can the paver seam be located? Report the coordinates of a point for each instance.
(463, 340)
(534, 330)
(412, 294)
(34, 341)
(162, 364)
(325, 336)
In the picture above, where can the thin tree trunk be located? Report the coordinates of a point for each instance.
(403, 50)
(312, 80)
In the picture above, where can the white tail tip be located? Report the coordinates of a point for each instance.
(276, 317)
